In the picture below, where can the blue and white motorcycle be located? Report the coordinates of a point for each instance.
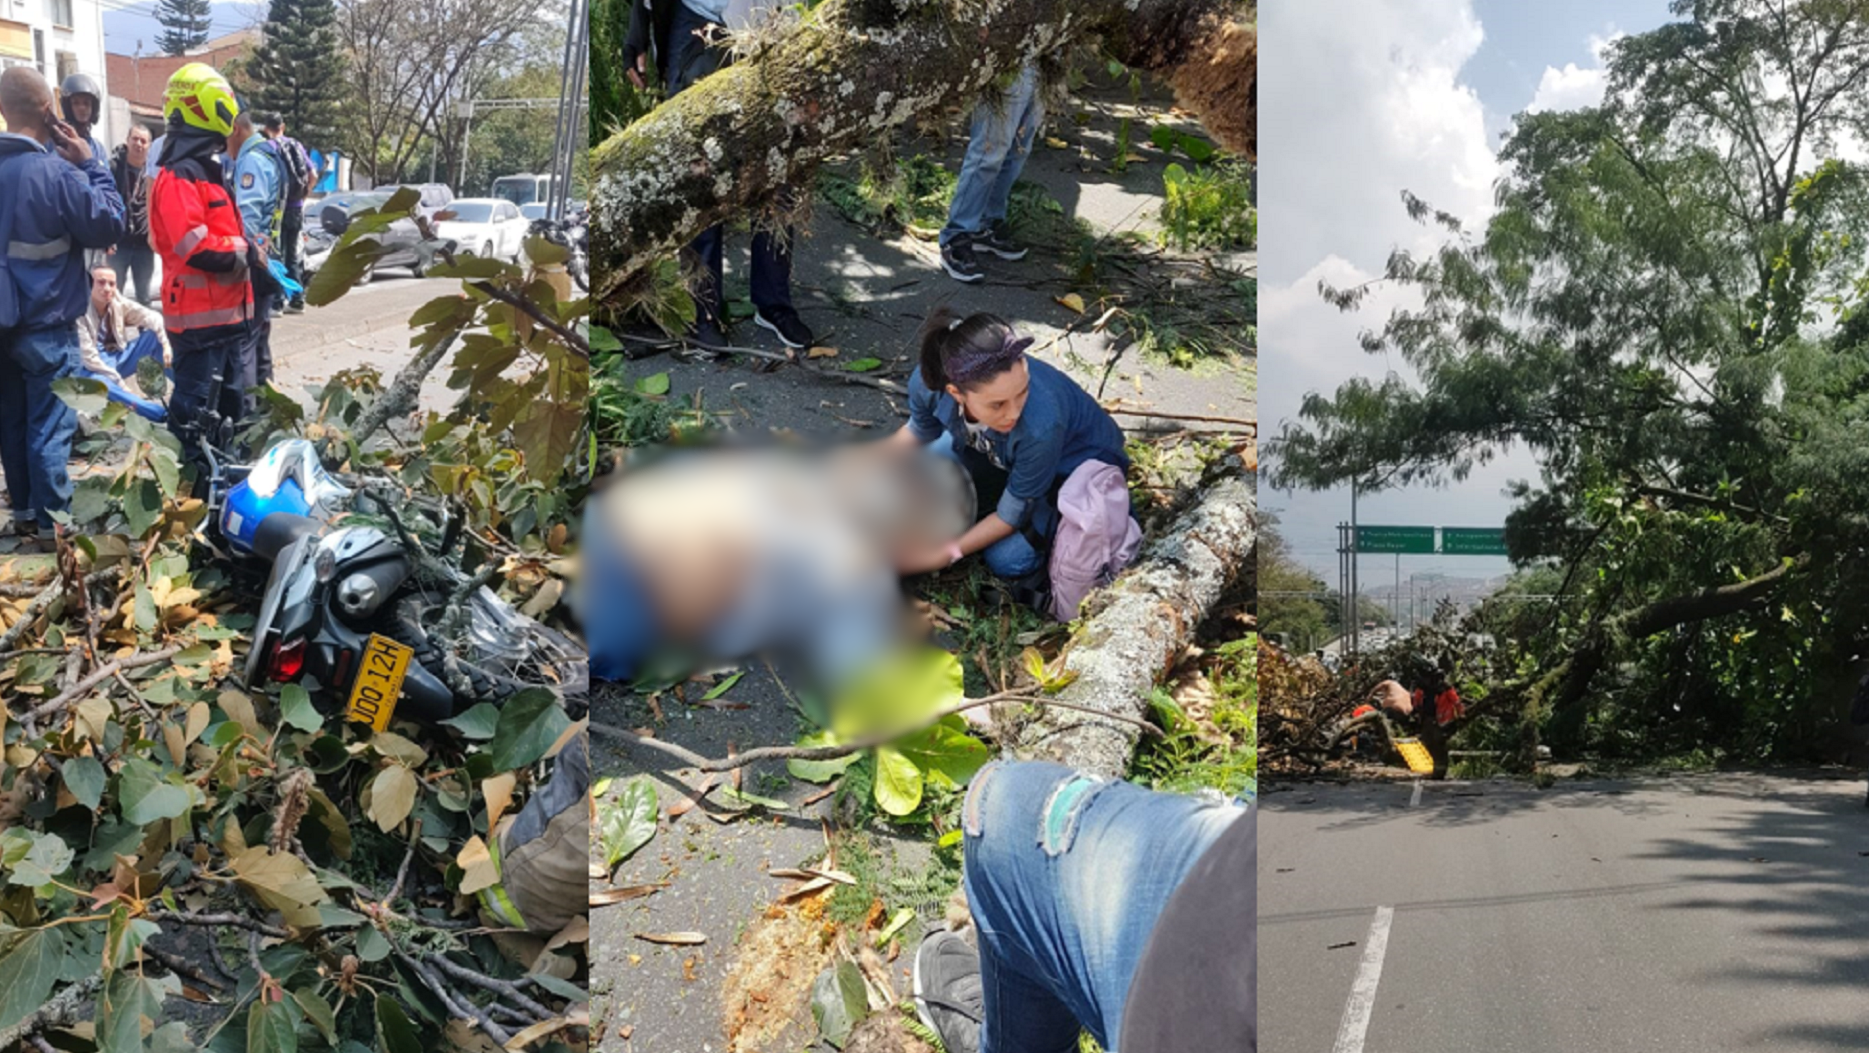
(345, 611)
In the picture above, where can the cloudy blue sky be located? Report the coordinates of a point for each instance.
(1359, 100)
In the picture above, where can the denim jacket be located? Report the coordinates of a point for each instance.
(50, 212)
(1060, 428)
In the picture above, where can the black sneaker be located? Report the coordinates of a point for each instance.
(958, 260)
(784, 321)
(948, 996)
(704, 343)
(996, 242)
(296, 307)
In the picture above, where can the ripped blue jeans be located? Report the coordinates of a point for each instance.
(1065, 875)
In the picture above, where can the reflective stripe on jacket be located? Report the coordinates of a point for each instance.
(195, 228)
(50, 211)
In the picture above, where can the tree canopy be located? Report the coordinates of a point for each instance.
(1666, 309)
(298, 69)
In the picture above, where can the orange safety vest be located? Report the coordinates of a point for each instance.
(195, 226)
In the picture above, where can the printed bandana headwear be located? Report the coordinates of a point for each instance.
(970, 364)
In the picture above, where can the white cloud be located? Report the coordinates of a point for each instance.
(1574, 87)
(1361, 101)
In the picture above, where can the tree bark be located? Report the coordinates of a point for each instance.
(854, 70)
(1140, 626)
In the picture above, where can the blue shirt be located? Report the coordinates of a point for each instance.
(50, 212)
(258, 189)
(1060, 428)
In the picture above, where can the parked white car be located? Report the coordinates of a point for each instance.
(485, 226)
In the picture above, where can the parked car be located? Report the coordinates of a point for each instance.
(402, 240)
(485, 226)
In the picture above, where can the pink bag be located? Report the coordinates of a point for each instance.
(1096, 535)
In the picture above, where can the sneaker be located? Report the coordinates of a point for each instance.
(957, 259)
(704, 343)
(948, 996)
(784, 321)
(996, 242)
(296, 307)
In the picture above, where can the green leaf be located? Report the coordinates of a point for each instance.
(84, 777)
(602, 339)
(529, 723)
(343, 269)
(394, 1032)
(545, 250)
(478, 723)
(820, 771)
(127, 999)
(48, 857)
(949, 839)
(839, 1002)
(1163, 136)
(898, 691)
(168, 468)
(144, 795)
(946, 751)
(270, 1028)
(628, 822)
(142, 507)
(1200, 150)
(653, 384)
(295, 708)
(724, 686)
(29, 966)
(863, 365)
(84, 394)
(471, 267)
(318, 1011)
(771, 804)
(898, 782)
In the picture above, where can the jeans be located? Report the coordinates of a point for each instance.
(996, 151)
(124, 361)
(256, 364)
(36, 426)
(291, 228)
(771, 276)
(1065, 875)
(207, 374)
(138, 261)
(1011, 556)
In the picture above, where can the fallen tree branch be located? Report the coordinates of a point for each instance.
(98, 676)
(460, 1007)
(33, 610)
(500, 987)
(845, 749)
(62, 1009)
(569, 336)
(1139, 626)
(239, 921)
(1253, 425)
(400, 397)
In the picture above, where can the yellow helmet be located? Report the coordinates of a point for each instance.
(199, 97)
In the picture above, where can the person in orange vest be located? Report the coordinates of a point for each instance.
(194, 226)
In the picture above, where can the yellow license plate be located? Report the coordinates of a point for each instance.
(379, 682)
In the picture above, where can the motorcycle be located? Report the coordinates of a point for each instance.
(347, 609)
(573, 232)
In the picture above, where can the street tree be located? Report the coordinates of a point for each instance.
(185, 25)
(298, 69)
(826, 78)
(410, 63)
(1666, 310)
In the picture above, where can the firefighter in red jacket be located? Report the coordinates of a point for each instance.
(207, 297)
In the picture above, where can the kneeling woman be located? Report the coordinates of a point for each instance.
(1019, 425)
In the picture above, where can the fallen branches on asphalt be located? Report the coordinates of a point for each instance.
(845, 749)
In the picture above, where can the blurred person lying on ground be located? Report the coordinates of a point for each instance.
(1098, 906)
(1027, 435)
(693, 557)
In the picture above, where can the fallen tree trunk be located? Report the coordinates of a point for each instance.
(1139, 628)
(854, 70)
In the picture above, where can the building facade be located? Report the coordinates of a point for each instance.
(59, 38)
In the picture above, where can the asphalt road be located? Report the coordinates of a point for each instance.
(1692, 913)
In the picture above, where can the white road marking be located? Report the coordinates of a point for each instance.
(1414, 799)
(1356, 1012)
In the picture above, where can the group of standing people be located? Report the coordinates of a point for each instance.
(213, 201)
(686, 41)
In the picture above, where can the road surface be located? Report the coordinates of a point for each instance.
(1692, 913)
(368, 326)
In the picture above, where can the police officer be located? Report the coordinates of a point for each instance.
(207, 299)
(259, 190)
(54, 204)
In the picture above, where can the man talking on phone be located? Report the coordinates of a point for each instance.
(56, 200)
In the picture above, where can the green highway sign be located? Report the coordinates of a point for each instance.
(1406, 540)
(1473, 541)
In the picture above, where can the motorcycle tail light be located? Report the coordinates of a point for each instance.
(288, 661)
(344, 658)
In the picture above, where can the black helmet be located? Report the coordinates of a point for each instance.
(80, 84)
